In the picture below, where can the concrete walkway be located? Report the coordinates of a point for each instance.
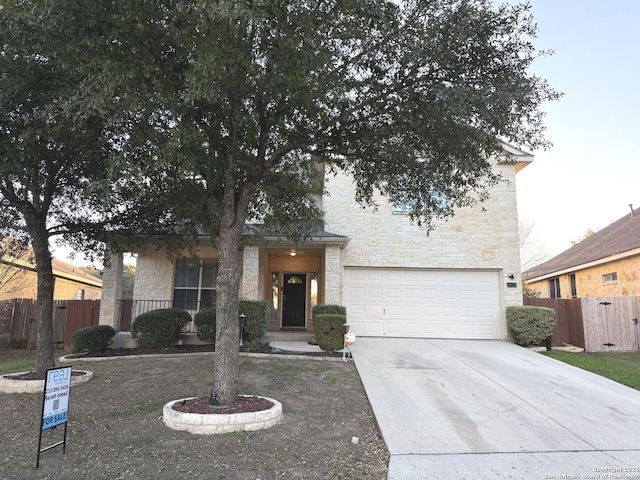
(456, 409)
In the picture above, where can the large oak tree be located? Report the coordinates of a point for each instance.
(227, 107)
(410, 99)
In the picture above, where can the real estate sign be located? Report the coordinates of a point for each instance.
(55, 406)
(56, 397)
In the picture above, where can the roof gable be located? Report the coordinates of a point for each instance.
(621, 236)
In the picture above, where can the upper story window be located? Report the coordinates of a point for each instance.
(439, 200)
(610, 277)
(554, 288)
(194, 283)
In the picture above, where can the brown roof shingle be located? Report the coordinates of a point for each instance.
(621, 236)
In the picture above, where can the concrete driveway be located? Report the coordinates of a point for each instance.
(466, 409)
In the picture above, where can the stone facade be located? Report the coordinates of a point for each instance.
(480, 237)
(590, 282)
(112, 291)
(154, 276)
(484, 237)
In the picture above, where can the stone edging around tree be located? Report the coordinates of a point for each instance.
(211, 424)
(8, 385)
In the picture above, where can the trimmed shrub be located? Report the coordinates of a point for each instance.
(205, 322)
(96, 338)
(330, 309)
(258, 315)
(159, 328)
(328, 331)
(530, 325)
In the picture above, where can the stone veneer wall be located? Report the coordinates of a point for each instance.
(154, 276)
(333, 275)
(111, 291)
(480, 237)
(250, 282)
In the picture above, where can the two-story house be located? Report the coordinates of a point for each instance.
(394, 279)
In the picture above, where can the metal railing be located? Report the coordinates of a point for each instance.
(130, 309)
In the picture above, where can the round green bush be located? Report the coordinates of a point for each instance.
(328, 331)
(159, 328)
(257, 313)
(96, 338)
(205, 322)
(530, 325)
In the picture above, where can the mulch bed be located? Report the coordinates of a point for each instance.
(241, 405)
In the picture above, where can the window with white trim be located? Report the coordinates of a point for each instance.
(194, 283)
(610, 277)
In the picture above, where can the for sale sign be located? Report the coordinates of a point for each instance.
(55, 407)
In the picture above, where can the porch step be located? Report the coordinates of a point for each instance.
(288, 336)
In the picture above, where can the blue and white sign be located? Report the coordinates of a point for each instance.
(55, 408)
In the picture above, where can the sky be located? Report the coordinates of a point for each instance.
(592, 173)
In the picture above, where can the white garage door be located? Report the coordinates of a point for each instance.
(424, 303)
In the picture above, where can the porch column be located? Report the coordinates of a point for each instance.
(111, 290)
(333, 274)
(249, 286)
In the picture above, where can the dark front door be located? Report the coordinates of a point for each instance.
(294, 296)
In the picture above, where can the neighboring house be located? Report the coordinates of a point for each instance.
(393, 278)
(606, 264)
(69, 282)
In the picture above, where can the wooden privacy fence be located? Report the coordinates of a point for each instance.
(568, 327)
(18, 316)
(611, 324)
(596, 324)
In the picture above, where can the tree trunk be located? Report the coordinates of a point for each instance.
(225, 375)
(44, 299)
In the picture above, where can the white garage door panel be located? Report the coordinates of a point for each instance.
(424, 303)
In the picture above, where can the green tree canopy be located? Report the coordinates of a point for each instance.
(245, 97)
(219, 112)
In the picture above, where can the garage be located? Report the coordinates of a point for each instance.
(389, 302)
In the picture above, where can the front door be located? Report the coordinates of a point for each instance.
(294, 300)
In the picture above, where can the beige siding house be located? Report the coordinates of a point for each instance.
(393, 278)
(607, 264)
(18, 279)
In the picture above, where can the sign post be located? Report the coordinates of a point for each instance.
(55, 406)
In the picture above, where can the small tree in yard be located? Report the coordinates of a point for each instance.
(230, 107)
